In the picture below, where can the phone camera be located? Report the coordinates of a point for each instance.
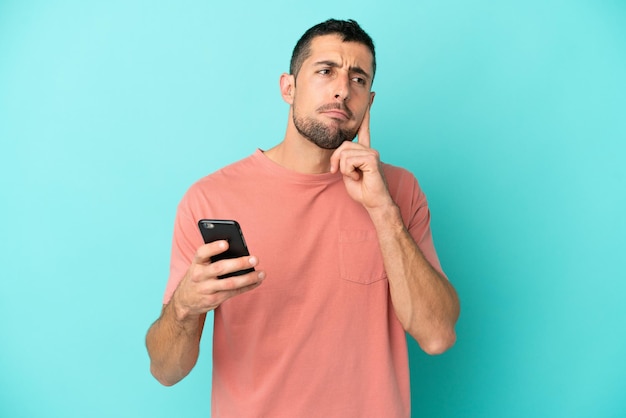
(208, 225)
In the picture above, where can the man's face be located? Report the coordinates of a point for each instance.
(332, 91)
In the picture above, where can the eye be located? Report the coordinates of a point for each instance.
(325, 71)
(359, 80)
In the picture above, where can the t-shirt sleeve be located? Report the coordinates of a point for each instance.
(185, 242)
(415, 212)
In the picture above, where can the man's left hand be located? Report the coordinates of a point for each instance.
(361, 168)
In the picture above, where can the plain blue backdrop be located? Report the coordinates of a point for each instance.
(510, 113)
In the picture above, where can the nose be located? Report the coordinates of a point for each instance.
(342, 87)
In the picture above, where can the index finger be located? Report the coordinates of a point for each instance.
(205, 252)
(364, 130)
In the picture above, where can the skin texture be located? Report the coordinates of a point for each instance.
(330, 103)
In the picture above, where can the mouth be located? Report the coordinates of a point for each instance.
(336, 111)
(336, 114)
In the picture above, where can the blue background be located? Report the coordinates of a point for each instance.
(511, 114)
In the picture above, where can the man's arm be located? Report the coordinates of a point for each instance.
(173, 341)
(173, 345)
(424, 301)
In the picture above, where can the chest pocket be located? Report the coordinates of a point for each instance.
(360, 259)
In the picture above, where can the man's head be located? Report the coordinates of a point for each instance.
(348, 30)
(333, 64)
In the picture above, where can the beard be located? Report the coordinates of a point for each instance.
(324, 136)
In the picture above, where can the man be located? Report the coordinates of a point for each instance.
(343, 252)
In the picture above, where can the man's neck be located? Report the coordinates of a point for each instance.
(299, 154)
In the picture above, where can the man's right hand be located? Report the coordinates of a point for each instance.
(201, 291)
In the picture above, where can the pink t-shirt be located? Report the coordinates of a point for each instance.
(319, 337)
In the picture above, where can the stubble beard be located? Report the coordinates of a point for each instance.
(326, 137)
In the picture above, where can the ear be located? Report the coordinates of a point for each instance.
(287, 87)
(372, 94)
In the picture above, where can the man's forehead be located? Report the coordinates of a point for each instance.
(332, 47)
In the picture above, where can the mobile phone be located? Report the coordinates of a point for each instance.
(228, 230)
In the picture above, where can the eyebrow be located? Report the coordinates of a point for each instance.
(334, 64)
